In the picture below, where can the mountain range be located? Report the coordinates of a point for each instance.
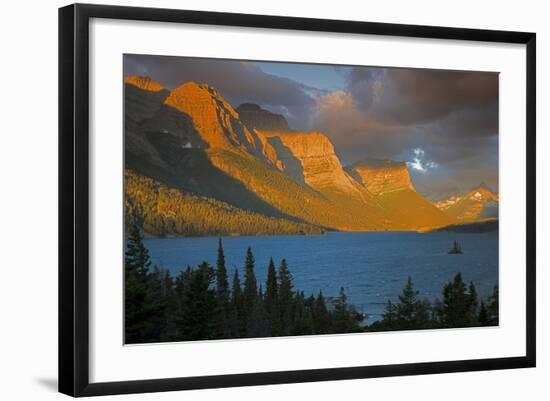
(477, 204)
(194, 165)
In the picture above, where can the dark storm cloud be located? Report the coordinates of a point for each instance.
(449, 117)
(362, 85)
(413, 96)
(409, 96)
(237, 81)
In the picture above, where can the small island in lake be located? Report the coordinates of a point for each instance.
(456, 249)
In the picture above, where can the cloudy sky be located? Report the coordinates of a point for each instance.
(444, 124)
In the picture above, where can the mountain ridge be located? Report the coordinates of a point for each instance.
(391, 182)
(254, 116)
(478, 203)
(144, 82)
(192, 140)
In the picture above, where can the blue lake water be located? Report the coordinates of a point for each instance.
(372, 267)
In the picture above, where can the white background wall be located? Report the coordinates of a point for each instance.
(28, 200)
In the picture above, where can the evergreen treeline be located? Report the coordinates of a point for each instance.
(201, 303)
(459, 307)
(163, 211)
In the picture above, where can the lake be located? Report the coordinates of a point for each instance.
(372, 267)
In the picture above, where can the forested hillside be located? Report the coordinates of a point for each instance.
(164, 211)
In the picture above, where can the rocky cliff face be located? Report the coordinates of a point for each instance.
(144, 83)
(253, 116)
(141, 101)
(216, 122)
(309, 157)
(140, 104)
(391, 183)
(381, 176)
(215, 119)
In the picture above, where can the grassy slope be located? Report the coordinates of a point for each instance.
(413, 211)
(327, 209)
(465, 210)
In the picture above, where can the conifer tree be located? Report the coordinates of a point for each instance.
(321, 316)
(156, 305)
(483, 316)
(455, 308)
(389, 317)
(304, 314)
(411, 312)
(142, 306)
(222, 285)
(250, 292)
(286, 296)
(236, 324)
(197, 316)
(424, 314)
(168, 293)
(299, 324)
(492, 308)
(272, 299)
(137, 256)
(406, 309)
(308, 317)
(258, 323)
(472, 305)
(222, 291)
(345, 318)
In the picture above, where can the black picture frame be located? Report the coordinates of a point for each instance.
(74, 198)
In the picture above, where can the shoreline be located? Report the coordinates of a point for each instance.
(443, 229)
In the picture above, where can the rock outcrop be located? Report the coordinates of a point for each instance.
(217, 123)
(253, 116)
(309, 157)
(145, 83)
(381, 176)
(214, 118)
(141, 104)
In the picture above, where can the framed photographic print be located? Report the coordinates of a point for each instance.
(250, 200)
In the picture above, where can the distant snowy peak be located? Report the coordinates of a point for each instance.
(479, 203)
(447, 203)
